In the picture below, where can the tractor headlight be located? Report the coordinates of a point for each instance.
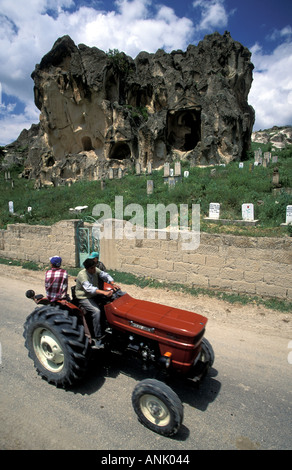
(165, 360)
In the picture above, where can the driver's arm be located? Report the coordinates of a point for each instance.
(91, 289)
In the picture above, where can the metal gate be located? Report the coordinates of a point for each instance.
(88, 239)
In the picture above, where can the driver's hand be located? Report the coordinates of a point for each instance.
(108, 293)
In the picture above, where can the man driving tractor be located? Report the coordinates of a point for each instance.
(89, 295)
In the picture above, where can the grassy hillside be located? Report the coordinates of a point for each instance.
(229, 185)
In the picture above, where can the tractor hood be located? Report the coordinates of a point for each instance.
(150, 317)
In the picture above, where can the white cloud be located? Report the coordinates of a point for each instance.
(213, 14)
(12, 124)
(271, 91)
(285, 33)
(132, 28)
(28, 31)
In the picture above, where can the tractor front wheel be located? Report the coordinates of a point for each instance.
(157, 407)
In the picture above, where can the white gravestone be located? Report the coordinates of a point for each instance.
(247, 212)
(289, 215)
(214, 210)
(10, 206)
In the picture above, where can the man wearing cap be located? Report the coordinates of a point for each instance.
(89, 293)
(95, 256)
(56, 280)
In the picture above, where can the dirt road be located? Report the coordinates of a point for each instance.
(245, 403)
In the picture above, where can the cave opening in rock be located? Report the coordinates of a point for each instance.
(184, 129)
(120, 151)
(87, 144)
(50, 161)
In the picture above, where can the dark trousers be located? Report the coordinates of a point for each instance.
(93, 310)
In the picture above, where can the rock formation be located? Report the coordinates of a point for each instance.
(102, 110)
(278, 137)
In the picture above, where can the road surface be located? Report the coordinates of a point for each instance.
(244, 403)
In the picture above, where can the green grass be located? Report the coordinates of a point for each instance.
(229, 185)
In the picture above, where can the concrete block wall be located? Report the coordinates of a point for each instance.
(250, 265)
(38, 243)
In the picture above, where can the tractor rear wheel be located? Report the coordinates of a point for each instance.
(157, 407)
(57, 344)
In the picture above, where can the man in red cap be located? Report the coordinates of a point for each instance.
(56, 280)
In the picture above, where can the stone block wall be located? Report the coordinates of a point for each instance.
(252, 265)
(38, 243)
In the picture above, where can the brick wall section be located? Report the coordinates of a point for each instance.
(257, 266)
(38, 243)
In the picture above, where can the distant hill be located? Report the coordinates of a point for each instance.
(279, 137)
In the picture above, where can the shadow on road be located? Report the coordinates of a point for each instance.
(104, 365)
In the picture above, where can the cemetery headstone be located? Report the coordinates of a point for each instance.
(267, 156)
(276, 176)
(214, 210)
(138, 168)
(289, 215)
(111, 173)
(150, 187)
(247, 212)
(166, 170)
(177, 169)
(11, 207)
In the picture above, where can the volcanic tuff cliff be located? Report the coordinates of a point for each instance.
(102, 110)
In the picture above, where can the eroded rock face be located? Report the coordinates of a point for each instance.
(103, 110)
(278, 137)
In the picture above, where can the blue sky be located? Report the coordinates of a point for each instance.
(29, 29)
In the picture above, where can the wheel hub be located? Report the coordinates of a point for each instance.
(51, 349)
(155, 410)
(48, 349)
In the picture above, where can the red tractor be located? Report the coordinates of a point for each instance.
(58, 339)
